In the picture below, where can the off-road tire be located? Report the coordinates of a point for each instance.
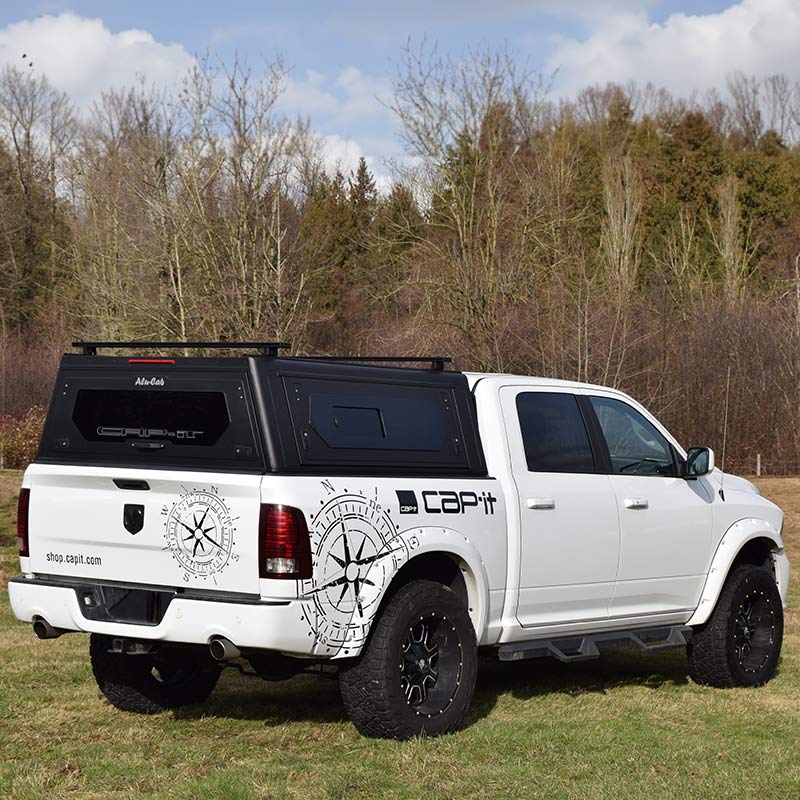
(151, 683)
(716, 649)
(382, 697)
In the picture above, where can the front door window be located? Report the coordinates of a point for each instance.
(635, 445)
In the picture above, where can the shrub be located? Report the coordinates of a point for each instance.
(19, 437)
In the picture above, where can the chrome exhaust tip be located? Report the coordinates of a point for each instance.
(223, 649)
(44, 630)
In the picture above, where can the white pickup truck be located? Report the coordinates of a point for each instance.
(385, 520)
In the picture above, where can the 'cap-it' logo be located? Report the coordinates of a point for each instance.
(408, 502)
(446, 502)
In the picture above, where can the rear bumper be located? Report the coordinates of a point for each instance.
(269, 625)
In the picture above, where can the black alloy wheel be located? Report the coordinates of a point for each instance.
(430, 671)
(740, 645)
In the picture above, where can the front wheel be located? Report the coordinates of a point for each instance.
(150, 683)
(740, 645)
(417, 672)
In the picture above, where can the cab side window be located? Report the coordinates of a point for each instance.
(553, 433)
(634, 444)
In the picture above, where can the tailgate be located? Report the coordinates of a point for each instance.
(156, 527)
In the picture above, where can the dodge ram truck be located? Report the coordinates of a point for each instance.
(381, 521)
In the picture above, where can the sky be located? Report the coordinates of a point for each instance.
(342, 55)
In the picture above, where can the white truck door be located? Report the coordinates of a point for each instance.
(568, 513)
(665, 521)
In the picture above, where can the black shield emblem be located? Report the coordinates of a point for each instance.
(133, 517)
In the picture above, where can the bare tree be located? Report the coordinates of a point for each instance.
(745, 92)
(594, 102)
(731, 240)
(469, 125)
(240, 163)
(779, 99)
(122, 237)
(621, 245)
(182, 225)
(680, 262)
(717, 111)
(37, 125)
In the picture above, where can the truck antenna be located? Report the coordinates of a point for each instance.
(725, 435)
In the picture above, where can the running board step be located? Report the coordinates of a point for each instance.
(582, 648)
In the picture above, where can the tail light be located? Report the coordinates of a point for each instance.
(23, 505)
(284, 547)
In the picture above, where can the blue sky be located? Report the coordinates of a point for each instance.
(342, 55)
(326, 36)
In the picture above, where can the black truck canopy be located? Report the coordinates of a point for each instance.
(262, 413)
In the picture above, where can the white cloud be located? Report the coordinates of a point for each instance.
(347, 111)
(363, 93)
(347, 99)
(389, 24)
(685, 52)
(83, 57)
(344, 154)
(309, 95)
(341, 154)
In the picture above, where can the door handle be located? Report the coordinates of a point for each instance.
(541, 503)
(636, 502)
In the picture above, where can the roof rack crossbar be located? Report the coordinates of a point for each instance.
(436, 362)
(268, 348)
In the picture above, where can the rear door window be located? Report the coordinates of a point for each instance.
(553, 433)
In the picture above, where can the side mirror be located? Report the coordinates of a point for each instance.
(699, 462)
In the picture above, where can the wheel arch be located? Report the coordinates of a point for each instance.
(450, 558)
(748, 541)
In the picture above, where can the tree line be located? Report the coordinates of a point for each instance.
(626, 236)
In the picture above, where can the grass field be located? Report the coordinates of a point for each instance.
(627, 726)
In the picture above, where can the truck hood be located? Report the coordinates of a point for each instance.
(734, 482)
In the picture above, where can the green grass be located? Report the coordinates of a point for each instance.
(627, 726)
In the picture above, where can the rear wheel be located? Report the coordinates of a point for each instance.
(741, 643)
(417, 672)
(152, 682)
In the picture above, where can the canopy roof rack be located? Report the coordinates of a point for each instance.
(436, 362)
(266, 348)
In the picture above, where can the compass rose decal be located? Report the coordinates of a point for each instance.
(356, 548)
(198, 534)
(198, 531)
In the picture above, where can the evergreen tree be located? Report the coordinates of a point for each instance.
(694, 164)
(620, 122)
(326, 239)
(362, 196)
